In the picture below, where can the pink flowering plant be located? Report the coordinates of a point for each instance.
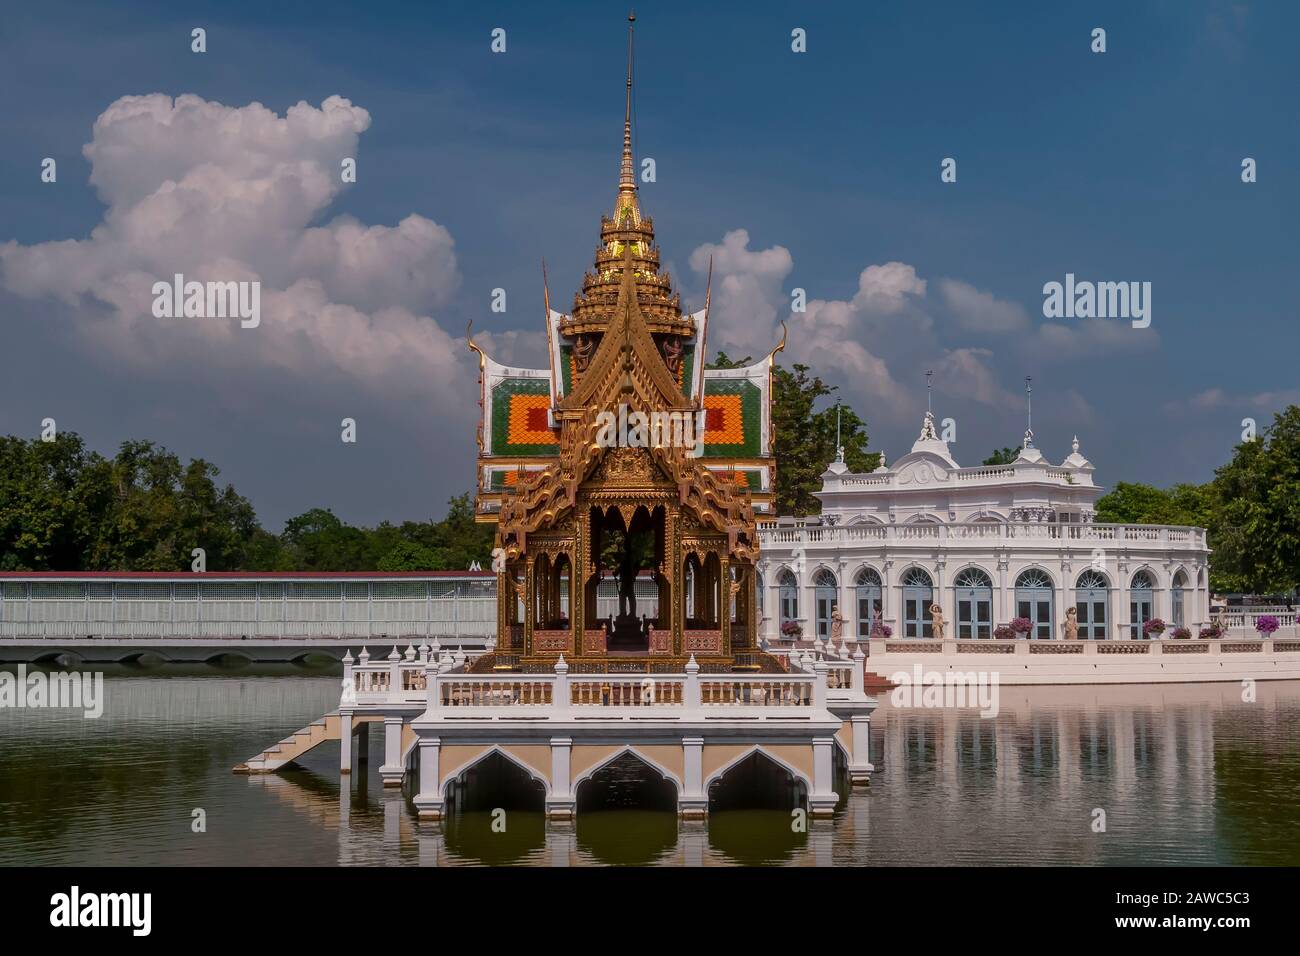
(1211, 632)
(792, 630)
(1181, 633)
(1021, 625)
(881, 629)
(1004, 632)
(1266, 624)
(1154, 627)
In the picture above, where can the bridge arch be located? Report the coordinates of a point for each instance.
(756, 759)
(626, 779)
(459, 778)
(650, 762)
(53, 657)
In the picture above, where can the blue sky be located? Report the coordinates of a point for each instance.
(1118, 166)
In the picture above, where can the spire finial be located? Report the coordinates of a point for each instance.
(1029, 412)
(929, 387)
(839, 447)
(627, 178)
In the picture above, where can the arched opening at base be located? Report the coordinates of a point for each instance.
(495, 783)
(626, 783)
(757, 783)
(495, 813)
(627, 813)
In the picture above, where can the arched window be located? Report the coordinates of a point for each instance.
(1092, 603)
(974, 603)
(1141, 603)
(789, 595)
(870, 597)
(1178, 599)
(1035, 600)
(918, 595)
(825, 593)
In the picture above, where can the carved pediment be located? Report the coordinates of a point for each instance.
(922, 473)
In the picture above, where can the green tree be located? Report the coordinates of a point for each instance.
(1002, 456)
(1136, 503)
(1255, 523)
(408, 556)
(49, 501)
(805, 435)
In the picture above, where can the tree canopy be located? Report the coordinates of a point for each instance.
(1002, 456)
(65, 508)
(1251, 510)
(805, 435)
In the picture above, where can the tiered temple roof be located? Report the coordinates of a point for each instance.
(523, 408)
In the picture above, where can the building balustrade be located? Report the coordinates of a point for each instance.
(437, 681)
(887, 648)
(800, 531)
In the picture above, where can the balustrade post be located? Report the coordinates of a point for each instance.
(819, 685)
(431, 685)
(694, 699)
(560, 695)
(394, 671)
(857, 678)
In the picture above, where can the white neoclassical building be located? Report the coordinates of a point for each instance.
(986, 544)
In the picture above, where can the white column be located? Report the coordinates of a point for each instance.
(821, 802)
(1000, 613)
(807, 601)
(1119, 622)
(345, 741)
(392, 771)
(560, 800)
(428, 801)
(860, 768)
(693, 801)
(847, 604)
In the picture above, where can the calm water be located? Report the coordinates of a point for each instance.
(1185, 774)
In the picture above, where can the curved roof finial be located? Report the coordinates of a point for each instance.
(627, 177)
(469, 340)
(780, 346)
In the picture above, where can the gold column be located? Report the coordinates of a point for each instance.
(578, 575)
(676, 606)
(530, 601)
(723, 595)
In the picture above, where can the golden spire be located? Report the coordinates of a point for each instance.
(627, 173)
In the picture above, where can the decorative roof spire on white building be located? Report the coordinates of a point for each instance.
(1075, 461)
(1028, 453)
(927, 428)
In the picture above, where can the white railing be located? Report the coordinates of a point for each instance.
(1248, 619)
(439, 684)
(984, 531)
(1282, 642)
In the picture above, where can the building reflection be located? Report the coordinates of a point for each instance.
(1185, 773)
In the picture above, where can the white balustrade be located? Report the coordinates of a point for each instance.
(562, 694)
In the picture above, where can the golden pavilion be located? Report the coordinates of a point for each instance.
(625, 460)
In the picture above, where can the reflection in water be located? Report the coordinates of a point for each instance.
(1186, 774)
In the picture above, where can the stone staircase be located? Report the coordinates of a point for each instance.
(301, 741)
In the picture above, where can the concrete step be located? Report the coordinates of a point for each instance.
(292, 747)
